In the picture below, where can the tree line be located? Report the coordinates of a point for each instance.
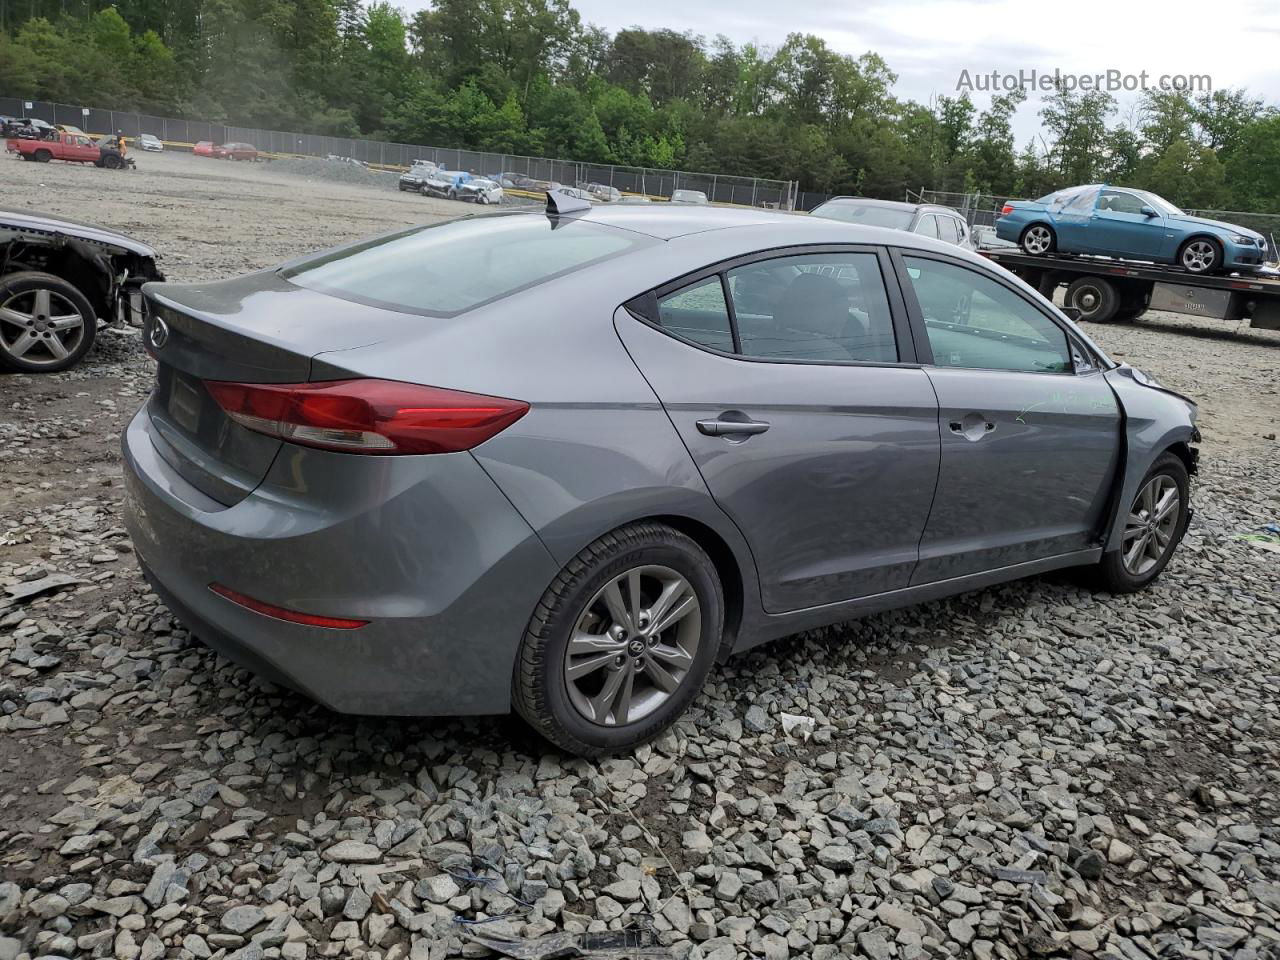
(530, 77)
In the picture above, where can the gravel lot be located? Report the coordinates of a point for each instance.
(1022, 771)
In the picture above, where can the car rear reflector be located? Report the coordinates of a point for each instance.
(368, 416)
(280, 613)
(1006, 209)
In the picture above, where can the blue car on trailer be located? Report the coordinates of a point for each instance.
(1131, 224)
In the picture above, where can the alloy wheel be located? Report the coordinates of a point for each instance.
(633, 645)
(1152, 522)
(1199, 256)
(40, 327)
(1037, 240)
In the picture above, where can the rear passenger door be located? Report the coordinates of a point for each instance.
(1030, 430)
(790, 379)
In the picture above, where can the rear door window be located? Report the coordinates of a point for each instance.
(927, 227)
(699, 313)
(444, 269)
(947, 229)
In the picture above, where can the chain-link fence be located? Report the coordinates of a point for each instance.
(984, 208)
(747, 191)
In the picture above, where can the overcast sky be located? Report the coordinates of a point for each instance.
(927, 43)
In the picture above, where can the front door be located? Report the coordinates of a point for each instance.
(782, 377)
(1072, 222)
(1030, 431)
(1123, 230)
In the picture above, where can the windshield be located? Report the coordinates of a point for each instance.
(444, 269)
(873, 215)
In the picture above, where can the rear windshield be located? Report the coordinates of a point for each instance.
(447, 268)
(870, 214)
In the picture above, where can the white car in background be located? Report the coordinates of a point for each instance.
(150, 142)
(479, 190)
(689, 196)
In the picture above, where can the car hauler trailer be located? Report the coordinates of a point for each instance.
(1114, 290)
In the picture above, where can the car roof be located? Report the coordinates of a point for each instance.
(870, 202)
(666, 222)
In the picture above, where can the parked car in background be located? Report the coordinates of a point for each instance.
(926, 219)
(150, 142)
(416, 175)
(478, 190)
(575, 192)
(205, 148)
(403, 478)
(58, 280)
(237, 151)
(604, 193)
(985, 238)
(689, 196)
(1131, 224)
(444, 183)
(634, 198)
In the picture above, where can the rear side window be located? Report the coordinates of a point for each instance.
(447, 268)
(927, 227)
(947, 229)
(699, 313)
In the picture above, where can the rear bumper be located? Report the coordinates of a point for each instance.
(427, 549)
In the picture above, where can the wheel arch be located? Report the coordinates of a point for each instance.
(1037, 223)
(727, 569)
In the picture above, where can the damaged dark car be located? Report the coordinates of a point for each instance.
(59, 280)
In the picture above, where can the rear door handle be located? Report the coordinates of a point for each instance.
(973, 427)
(732, 428)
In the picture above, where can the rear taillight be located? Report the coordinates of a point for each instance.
(1006, 209)
(367, 416)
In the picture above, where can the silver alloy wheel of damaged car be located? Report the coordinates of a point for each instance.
(42, 327)
(633, 645)
(1037, 240)
(1151, 525)
(1200, 256)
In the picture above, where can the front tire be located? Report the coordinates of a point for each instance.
(46, 324)
(621, 642)
(1038, 240)
(1153, 527)
(1201, 255)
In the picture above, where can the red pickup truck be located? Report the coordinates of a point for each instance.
(72, 147)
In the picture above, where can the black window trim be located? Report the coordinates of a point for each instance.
(645, 307)
(924, 350)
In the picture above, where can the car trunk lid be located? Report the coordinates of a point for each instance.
(254, 329)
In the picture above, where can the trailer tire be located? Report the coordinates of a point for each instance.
(1095, 298)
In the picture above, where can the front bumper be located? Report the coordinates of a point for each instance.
(425, 548)
(1247, 257)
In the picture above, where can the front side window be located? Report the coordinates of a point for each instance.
(822, 306)
(973, 321)
(1118, 201)
(699, 313)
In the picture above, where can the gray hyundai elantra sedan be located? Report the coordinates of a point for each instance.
(565, 462)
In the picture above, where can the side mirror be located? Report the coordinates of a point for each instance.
(1148, 212)
(1072, 313)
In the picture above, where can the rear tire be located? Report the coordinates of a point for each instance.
(1148, 545)
(1095, 298)
(567, 696)
(42, 156)
(1038, 240)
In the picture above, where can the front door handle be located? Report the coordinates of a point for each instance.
(732, 428)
